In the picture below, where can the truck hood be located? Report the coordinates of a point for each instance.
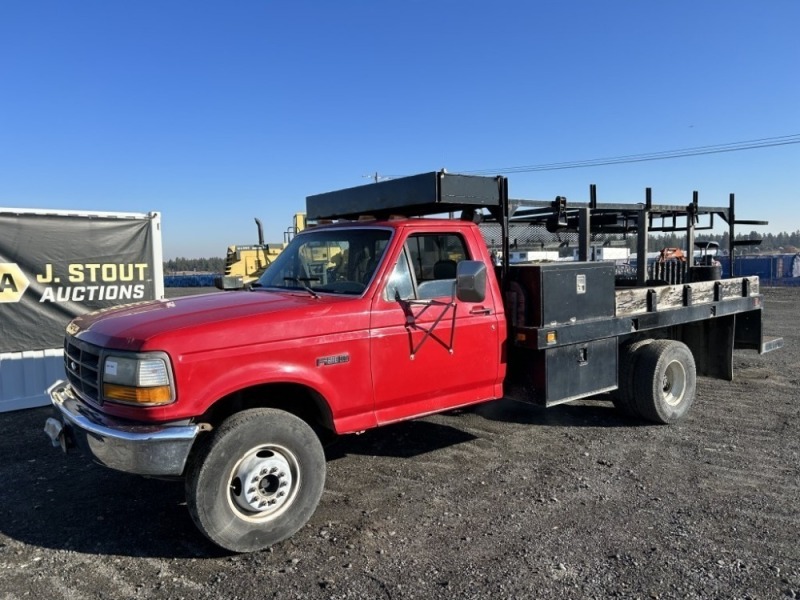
(217, 320)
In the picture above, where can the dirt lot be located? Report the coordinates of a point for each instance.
(505, 501)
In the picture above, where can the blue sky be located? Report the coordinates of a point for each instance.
(217, 112)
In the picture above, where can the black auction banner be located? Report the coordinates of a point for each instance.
(54, 267)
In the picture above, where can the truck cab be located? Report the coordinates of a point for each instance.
(405, 323)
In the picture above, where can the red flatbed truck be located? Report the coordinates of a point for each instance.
(237, 393)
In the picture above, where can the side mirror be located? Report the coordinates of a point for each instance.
(471, 281)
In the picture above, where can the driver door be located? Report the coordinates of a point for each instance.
(429, 351)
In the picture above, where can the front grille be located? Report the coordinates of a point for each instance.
(82, 365)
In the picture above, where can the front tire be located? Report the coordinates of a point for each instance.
(256, 480)
(665, 381)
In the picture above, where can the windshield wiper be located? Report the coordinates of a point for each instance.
(303, 281)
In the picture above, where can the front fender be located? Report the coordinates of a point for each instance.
(247, 376)
(344, 383)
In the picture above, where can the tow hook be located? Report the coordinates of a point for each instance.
(57, 433)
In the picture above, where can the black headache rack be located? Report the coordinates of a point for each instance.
(432, 193)
(529, 224)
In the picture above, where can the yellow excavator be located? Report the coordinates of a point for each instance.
(245, 264)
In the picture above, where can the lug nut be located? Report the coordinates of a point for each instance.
(284, 483)
(273, 469)
(281, 494)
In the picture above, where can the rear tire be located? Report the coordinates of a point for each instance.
(665, 381)
(624, 397)
(256, 480)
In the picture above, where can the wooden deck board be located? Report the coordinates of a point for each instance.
(632, 301)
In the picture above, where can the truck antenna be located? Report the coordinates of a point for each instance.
(376, 177)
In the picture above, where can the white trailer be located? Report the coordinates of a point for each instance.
(606, 253)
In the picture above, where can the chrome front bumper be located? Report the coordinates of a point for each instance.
(155, 450)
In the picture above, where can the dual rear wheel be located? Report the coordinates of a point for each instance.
(657, 380)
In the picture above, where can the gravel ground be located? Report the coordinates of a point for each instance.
(504, 501)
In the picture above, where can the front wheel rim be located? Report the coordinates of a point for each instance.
(673, 385)
(264, 483)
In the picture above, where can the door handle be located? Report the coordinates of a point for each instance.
(480, 310)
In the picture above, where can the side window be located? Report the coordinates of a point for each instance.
(432, 269)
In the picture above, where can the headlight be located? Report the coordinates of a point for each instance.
(139, 379)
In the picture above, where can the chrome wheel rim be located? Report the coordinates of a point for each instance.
(673, 385)
(264, 483)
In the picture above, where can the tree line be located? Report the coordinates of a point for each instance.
(194, 265)
(771, 243)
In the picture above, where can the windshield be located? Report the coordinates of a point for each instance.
(337, 261)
